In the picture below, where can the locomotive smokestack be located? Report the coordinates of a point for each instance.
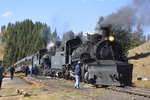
(105, 32)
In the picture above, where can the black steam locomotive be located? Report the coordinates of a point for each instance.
(102, 56)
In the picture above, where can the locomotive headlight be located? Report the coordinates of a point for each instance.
(111, 38)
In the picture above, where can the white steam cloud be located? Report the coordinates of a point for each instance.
(50, 45)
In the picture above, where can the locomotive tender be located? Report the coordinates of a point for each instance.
(102, 56)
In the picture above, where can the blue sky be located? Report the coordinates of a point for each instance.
(64, 15)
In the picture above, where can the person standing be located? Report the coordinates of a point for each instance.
(26, 70)
(1, 74)
(31, 70)
(41, 69)
(26, 67)
(77, 75)
(12, 70)
(35, 70)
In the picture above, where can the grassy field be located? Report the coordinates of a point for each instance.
(1, 51)
(141, 64)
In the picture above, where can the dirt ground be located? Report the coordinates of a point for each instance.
(17, 89)
(10, 91)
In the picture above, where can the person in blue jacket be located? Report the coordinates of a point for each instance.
(1, 74)
(35, 70)
(77, 74)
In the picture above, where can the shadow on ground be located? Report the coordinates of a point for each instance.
(141, 55)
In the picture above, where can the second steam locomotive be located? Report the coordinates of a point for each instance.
(103, 59)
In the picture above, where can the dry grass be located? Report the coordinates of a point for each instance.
(145, 84)
(145, 48)
(141, 64)
(35, 93)
(1, 52)
(141, 68)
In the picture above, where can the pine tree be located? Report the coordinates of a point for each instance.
(148, 37)
(138, 37)
(68, 35)
(99, 24)
(23, 39)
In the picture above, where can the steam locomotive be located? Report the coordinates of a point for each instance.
(102, 56)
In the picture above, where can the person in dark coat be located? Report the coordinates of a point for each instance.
(12, 70)
(30, 70)
(35, 70)
(41, 69)
(77, 75)
(26, 68)
(1, 74)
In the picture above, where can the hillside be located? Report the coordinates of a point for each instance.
(1, 52)
(140, 57)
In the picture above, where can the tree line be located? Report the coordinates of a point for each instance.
(26, 38)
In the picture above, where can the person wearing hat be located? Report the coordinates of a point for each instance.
(77, 75)
(1, 74)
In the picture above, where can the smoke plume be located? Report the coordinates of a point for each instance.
(143, 11)
(136, 13)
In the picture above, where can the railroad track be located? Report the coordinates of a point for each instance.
(132, 90)
(144, 92)
(59, 89)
